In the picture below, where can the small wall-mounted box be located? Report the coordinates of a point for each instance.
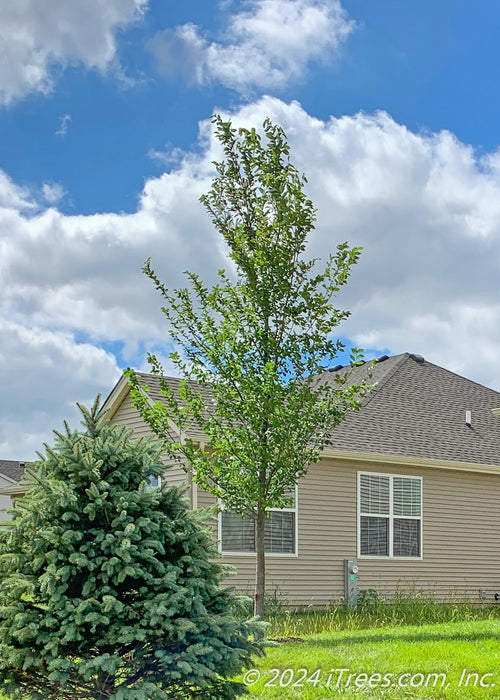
(351, 582)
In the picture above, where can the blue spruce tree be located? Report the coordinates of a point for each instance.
(108, 588)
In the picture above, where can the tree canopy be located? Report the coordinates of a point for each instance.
(251, 349)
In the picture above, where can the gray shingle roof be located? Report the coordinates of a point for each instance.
(417, 409)
(12, 469)
(152, 382)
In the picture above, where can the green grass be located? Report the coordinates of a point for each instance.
(447, 647)
(404, 610)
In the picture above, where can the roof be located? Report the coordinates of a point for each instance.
(152, 382)
(416, 410)
(12, 469)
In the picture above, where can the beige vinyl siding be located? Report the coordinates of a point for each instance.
(204, 499)
(461, 539)
(127, 415)
(5, 501)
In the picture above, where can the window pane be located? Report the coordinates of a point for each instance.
(238, 534)
(406, 538)
(375, 537)
(279, 532)
(407, 496)
(374, 494)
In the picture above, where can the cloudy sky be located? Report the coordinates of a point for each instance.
(391, 110)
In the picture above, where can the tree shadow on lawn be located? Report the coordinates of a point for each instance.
(411, 637)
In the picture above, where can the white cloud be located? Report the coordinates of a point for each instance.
(52, 192)
(38, 40)
(63, 125)
(169, 157)
(266, 46)
(42, 374)
(12, 196)
(425, 207)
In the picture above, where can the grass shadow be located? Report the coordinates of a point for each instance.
(401, 638)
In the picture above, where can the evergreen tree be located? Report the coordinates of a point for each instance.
(108, 586)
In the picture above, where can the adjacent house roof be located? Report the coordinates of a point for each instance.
(12, 469)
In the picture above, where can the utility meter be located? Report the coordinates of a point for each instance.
(351, 571)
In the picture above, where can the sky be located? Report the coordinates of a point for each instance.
(392, 110)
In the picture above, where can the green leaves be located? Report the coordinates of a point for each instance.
(257, 342)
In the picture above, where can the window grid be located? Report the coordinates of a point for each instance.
(391, 516)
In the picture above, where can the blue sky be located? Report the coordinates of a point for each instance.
(429, 65)
(392, 110)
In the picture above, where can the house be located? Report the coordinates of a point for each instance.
(11, 472)
(409, 487)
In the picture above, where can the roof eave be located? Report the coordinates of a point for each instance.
(8, 478)
(13, 490)
(365, 457)
(402, 460)
(115, 398)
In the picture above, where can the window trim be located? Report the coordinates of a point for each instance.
(391, 517)
(280, 555)
(155, 486)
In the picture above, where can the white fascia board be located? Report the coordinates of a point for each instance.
(115, 398)
(8, 478)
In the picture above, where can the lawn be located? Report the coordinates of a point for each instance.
(421, 652)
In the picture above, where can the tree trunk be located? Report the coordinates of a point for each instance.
(260, 572)
(104, 687)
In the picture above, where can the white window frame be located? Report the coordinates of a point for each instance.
(391, 517)
(287, 509)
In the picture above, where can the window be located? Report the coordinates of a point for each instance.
(154, 481)
(237, 533)
(389, 515)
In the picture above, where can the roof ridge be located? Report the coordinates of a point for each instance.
(154, 374)
(385, 378)
(401, 359)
